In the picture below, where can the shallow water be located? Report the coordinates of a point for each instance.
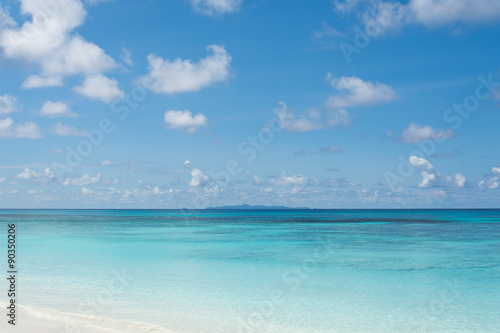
(265, 271)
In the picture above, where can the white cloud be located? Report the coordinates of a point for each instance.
(27, 130)
(216, 7)
(5, 19)
(48, 42)
(338, 117)
(358, 92)
(283, 180)
(492, 181)
(7, 104)
(107, 163)
(180, 76)
(441, 12)
(415, 133)
(311, 120)
(302, 123)
(184, 120)
(56, 109)
(27, 173)
(83, 180)
(420, 163)
(431, 178)
(430, 13)
(45, 176)
(427, 179)
(87, 191)
(198, 178)
(460, 180)
(386, 15)
(100, 87)
(37, 81)
(65, 130)
(345, 5)
(2, 179)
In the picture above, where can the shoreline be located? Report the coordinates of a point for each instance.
(34, 319)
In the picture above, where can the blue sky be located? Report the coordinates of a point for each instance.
(196, 103)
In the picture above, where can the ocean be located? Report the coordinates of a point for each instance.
(276, 271)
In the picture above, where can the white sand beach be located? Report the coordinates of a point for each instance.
(31, 320)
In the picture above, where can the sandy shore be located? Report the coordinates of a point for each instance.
(31, 319)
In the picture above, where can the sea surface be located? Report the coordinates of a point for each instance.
(276, 271)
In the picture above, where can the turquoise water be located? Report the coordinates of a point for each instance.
(265, 271)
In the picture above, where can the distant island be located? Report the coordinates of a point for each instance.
(249, 207)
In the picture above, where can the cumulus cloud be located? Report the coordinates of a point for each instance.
(181, 76)
(415, 133)
(387, 15)
(432, 178)
(100, 87)
(216, 7)
(37, 81)
(428, 179)
(338, 117)
(27, 173)
(184, 120)
(198, 178)
(48, 42)
(420, 163)
(107, 163)
(85, 179)
(441, 12)
(7, 104)
(45, 176)
(56, 109)
(65, 130)
(430, 13)
(492, 180)
(460, 180)
(29, 130)
(5, 19)
(301, 123)
(343, 6)
(358, 92)
(283, 180)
